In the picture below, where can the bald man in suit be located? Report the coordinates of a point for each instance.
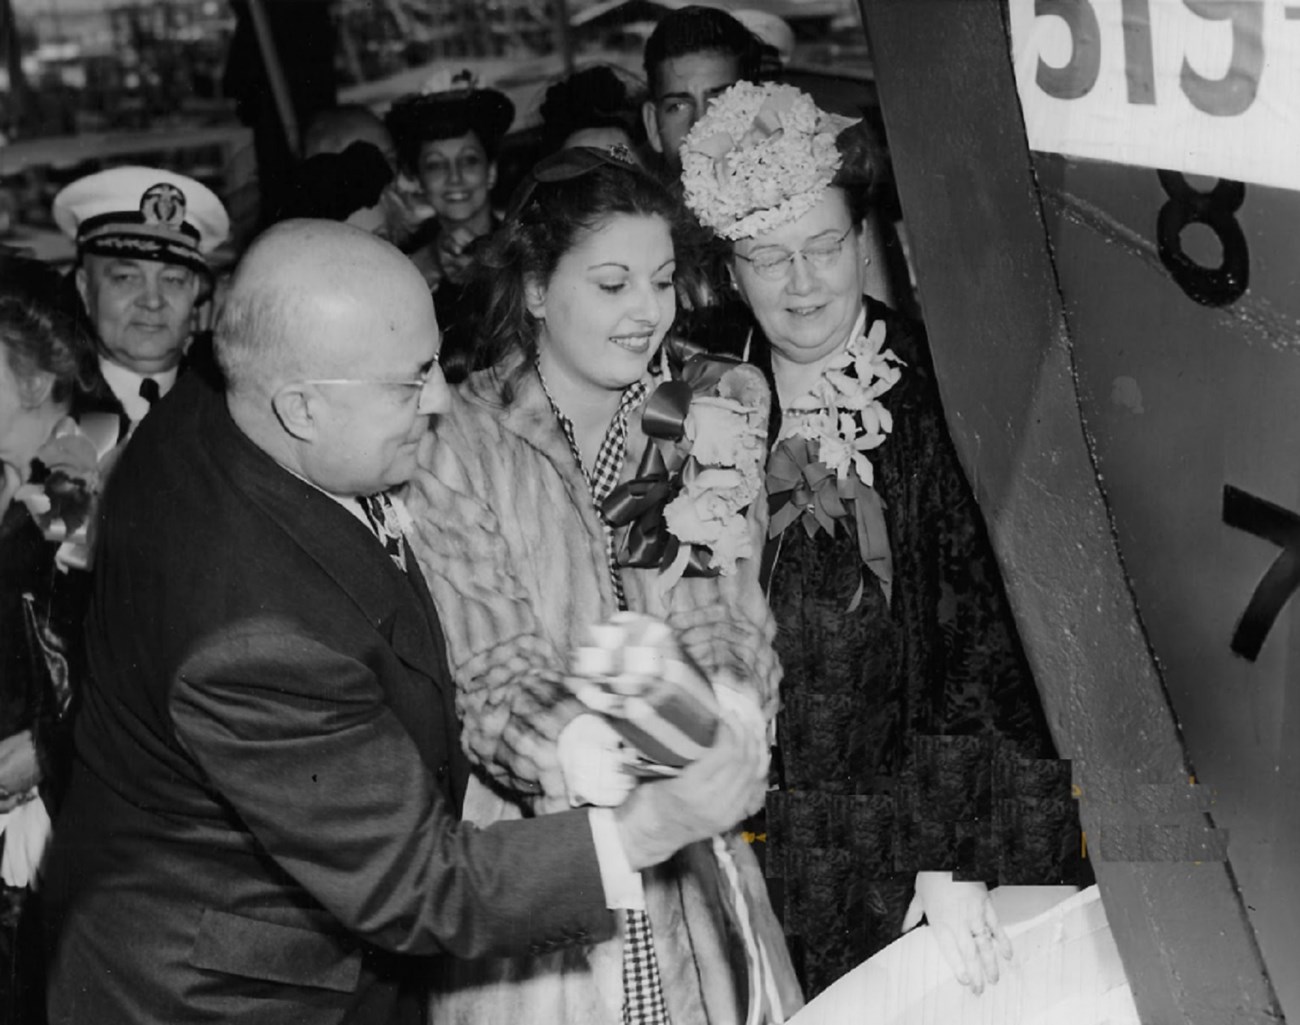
(261, 824)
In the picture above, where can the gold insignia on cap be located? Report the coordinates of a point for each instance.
(163, 204)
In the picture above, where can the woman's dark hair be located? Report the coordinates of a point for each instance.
(857, 176)
(563, 198)
(419, 118)
(43, 326)
(596, 97)
(334, 186)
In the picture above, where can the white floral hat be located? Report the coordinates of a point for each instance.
(760, 157)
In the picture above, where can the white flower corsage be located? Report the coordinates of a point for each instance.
(819, 472)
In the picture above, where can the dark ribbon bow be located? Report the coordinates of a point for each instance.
(640, 502)
(800, 487)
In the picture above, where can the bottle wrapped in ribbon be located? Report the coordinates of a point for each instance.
(633, 672)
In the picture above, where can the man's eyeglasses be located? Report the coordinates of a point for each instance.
(773, 264)
(418, 386)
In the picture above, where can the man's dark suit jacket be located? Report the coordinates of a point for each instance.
(264, 800)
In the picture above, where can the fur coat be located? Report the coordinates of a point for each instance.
(514, 554)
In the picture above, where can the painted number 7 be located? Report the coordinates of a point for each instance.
(1221, 97)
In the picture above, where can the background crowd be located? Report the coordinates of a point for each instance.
(370, 493)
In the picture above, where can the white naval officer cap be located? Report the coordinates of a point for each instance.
(143, 213)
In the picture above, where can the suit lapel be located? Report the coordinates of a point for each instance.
(340, 544)
(417, 635)
(433, 630)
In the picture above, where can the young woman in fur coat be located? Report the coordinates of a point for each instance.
(577, 296)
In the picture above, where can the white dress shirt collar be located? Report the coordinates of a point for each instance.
(125, 384)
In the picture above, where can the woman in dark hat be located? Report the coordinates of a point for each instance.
(347, 186)
(447, 138)
(597, 106)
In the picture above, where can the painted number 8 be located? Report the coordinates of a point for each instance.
(1209, 286)
(1221, 97)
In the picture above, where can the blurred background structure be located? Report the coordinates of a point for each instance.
(86, 84)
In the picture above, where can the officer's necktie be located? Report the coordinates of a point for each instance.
(149, 391)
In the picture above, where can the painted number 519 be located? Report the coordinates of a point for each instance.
(1222, 97)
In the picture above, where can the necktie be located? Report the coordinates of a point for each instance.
(382, 519)
(149, 391)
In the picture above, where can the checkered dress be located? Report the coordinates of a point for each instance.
(603, 477)
(643, 993)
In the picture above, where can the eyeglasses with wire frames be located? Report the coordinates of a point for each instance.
(419, 386)
(774, 263)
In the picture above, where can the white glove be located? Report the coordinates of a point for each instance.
(595, 762)
(741, 709)
(26, 831)
(965, 925)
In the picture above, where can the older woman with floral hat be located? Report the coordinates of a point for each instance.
(597, 106)
(916, 765)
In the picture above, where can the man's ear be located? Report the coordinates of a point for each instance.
(82, 280)
(202, 315)
(650, 117)
(203, 306)
(492, 175)
(297, 407)
(535, 296)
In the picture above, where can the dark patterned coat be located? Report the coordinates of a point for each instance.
(911, 735)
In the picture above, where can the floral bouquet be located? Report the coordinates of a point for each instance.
(819, 471)
(685, 508)
(67, 476)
